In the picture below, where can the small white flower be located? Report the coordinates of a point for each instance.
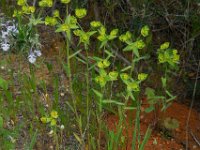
(9, 28)
(2, 67)
(5, 47)
(50, 133)
(62, 127)
(32, 58)
(3, 24)
(12, 28)
(62, 94)
(38, 53)
(15, 30)
(4, 34)
(11, 139)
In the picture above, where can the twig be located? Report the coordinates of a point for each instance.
(34, 2)
(191, 105)
(119, 56)
(195, 138)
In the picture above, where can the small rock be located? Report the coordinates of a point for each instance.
(194, 146)
(178, 130)
(142, 109)
(142, 117)
(62, 94)
(2, 67)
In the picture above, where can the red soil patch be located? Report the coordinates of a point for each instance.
(178, 140)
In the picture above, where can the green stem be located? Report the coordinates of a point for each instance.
(132, 64)
(99, 115)
(87, 88)
(68, 38)
(136, 133)
(87, 83)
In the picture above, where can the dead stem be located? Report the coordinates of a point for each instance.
(191, 105)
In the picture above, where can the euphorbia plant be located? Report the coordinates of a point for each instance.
(68, 26)
(133, 80)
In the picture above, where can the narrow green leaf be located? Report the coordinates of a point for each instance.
(96, 58)
(136, 52)
(146, 138)
(103, 43)
(141, 58)
(112, 102)
(168, 93)
(98, 94)
(74, 54)
(1, 122)
(130, 108)
(109, 53)
(3, 84)
(130, 47)
(33, 140)
(149, 109)
(81, 60)
(126, 68)
(149, 92)
(66, 68)
(78, 138)
(164, 81)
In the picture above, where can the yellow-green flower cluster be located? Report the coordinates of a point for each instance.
(101, 80)
(25, 8)
(52, 21)
(145, 31)
(140, 44)
(56, 13)
(65, 1)
(103, 77)
(103, 37)
(124, 77)
(73, 20)
(28, 9)
(65, 27)
(102, 32)
(103, 64)
(81, 12)
(95, 24)
(164, 46)
(52, 119)
(46, 3)
(84, 36)
(114, 32)
(17, 13)
(176, 57)
(142, 76)
(132, 85)
(70, 23)
(113, 75)
(125, 37)
(21, 2)
(167, 55)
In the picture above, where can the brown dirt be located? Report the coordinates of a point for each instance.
(177, 140)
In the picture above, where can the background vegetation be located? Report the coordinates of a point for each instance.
(176, 21)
